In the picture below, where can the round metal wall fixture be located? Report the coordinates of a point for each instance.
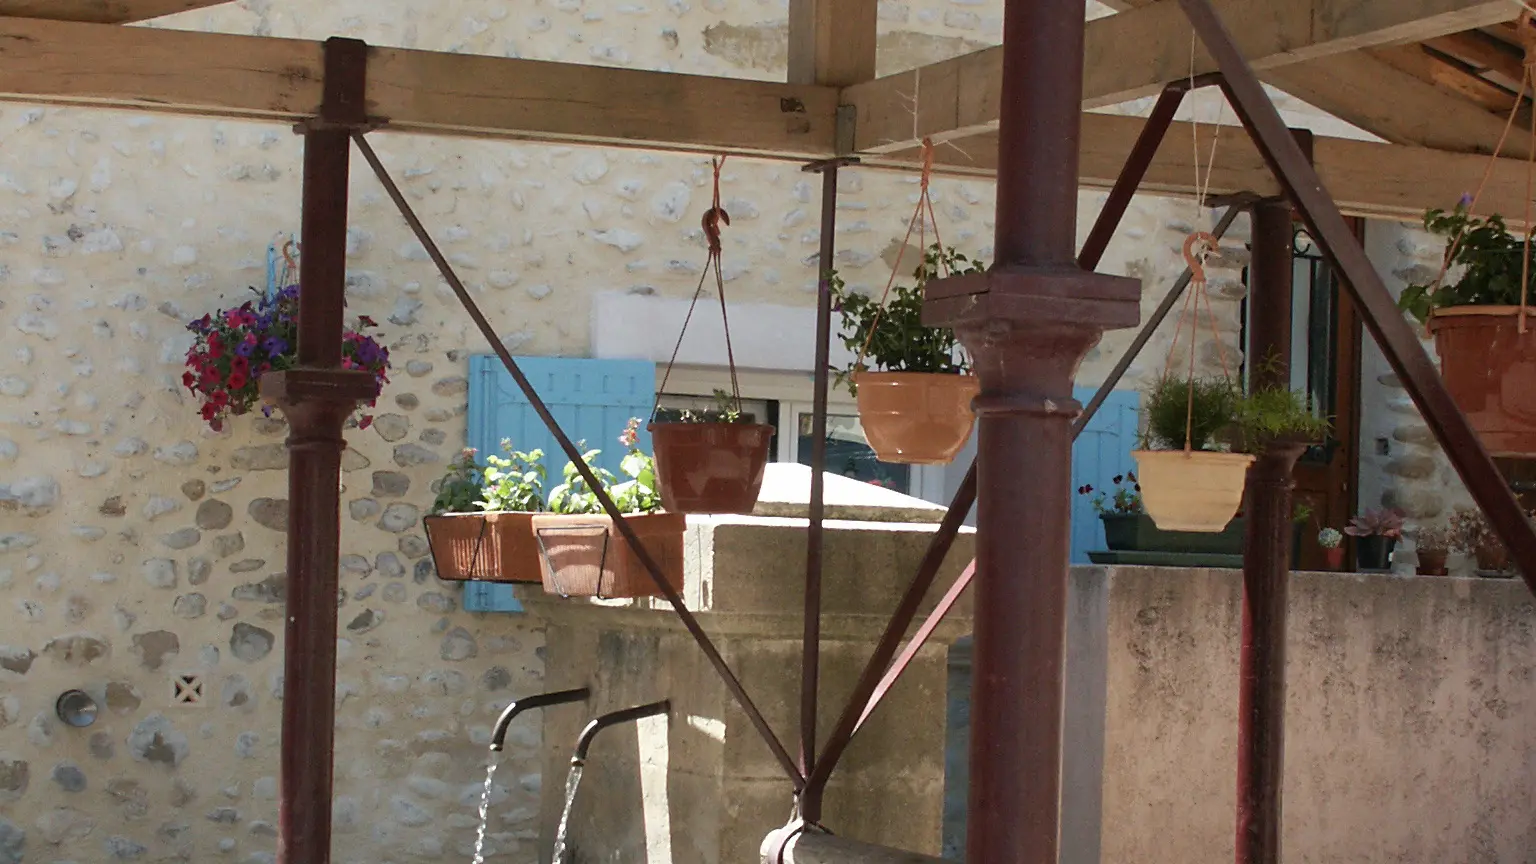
(76, 708)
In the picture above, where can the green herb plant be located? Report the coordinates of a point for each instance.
(1206, 407)
(897, 338)
(727, 409)
(460, 487)
(635, 495)
(1274, 414)
(514, 483)
(1492, 258)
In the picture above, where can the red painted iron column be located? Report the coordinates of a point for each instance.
(1267, 558)
(317, 397)
(1028, 322)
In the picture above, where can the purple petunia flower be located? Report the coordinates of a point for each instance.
(274, 346)
(245, 349)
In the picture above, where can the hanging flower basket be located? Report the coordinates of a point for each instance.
(586, 556)
(1489, 367)
(916, 418)
(484, 547)
(710, 462)
(1192, 491)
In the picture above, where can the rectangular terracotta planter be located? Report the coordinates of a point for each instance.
(484, 547)
(586, 556)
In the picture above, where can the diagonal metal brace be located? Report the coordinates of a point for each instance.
(690, 622)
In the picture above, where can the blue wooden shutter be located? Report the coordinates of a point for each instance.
(591, 399)
(1102, 451)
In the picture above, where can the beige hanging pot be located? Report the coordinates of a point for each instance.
(1192, 490)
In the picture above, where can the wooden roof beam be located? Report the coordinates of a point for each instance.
(101, 11)
(1135, 53)
(1385, 181)
(263, 78)
(832, 42)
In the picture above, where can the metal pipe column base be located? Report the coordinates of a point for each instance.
(1261, 679)
(1028, 329)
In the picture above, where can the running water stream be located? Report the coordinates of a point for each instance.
(563, 834)
(485, 812)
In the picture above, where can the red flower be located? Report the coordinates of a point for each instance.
(237, 380)
(209, 410)
(220, 398)
(216, 425)
(188, 379)
(365, 422)
(240, 364)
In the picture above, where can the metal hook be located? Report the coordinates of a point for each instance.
(1209, 248)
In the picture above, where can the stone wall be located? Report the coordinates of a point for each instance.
(136, 546)
(1405, 732)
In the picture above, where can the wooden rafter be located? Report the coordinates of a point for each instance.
(1134, 53)
(279, 80)
(1367, 179)
(832, 42)
(101, 11)
(262, 78)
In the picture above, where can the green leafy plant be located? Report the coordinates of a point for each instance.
(727, 409)
(1205, 407)
(460, 487)
(513, 483)
(635, 495)
(1490, 253)
(1278, 414)
(1301, 513)
(897, 338)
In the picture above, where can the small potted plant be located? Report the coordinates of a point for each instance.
(710, 461)
(1474, 537)
(1487, 358)
(481, 525)
(233, 348)
(583, 552)
(1332, 543)
(1190, 478)
(1432, 543)
(1376, 532)
(915, 406)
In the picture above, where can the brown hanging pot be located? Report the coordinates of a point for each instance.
(1489, 367)
(586, 556)
(916, 418)
(484, 547)
(710, 467)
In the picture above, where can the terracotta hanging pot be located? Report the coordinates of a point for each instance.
(586, 556)
(1195, 491)
(710, 467)
(916, 418)
(484, 547)
(1489, 367)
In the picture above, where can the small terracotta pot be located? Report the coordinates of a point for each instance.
(1489, 367)
(916, 418)
(710, 467)
(1492, 557)
(586, 556)
(1333, 558)
(1194, 491)
(1432, 562)
(484, 547)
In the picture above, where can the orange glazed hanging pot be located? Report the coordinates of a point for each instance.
(1489, 367)
(710, 467)
(916, 418)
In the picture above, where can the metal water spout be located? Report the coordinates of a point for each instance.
(542, 700)
(628, 715)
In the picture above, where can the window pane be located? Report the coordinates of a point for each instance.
(849, 454)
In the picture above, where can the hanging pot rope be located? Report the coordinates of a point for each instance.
(1525, 32)
(1199, 248)
(713, 218)
(922, 217)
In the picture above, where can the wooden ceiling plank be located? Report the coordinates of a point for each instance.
(1417, 61)
(1367, 179)
(262, 78)
(1135, 53)
(101, 11)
